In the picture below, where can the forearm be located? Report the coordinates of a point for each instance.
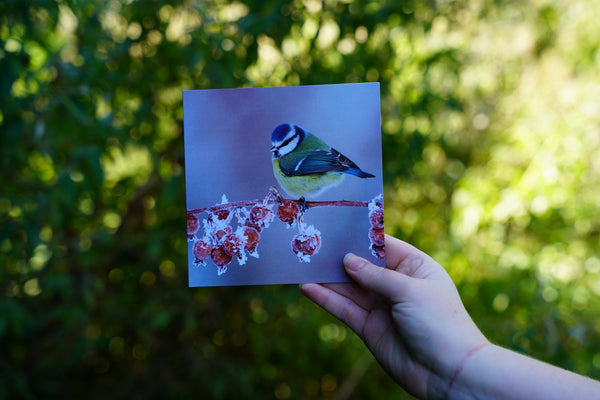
(497, 373)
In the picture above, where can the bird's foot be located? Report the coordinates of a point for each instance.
(302, 204)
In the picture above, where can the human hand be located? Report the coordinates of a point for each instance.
(409, 315)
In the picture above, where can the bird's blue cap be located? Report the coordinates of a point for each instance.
(280, 132)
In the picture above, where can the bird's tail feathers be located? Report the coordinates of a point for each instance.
(358, 172)
(348, 166)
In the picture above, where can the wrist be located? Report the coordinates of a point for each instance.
(460, 380)
(456, 388)
(461, 365)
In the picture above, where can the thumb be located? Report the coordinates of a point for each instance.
(387, 283)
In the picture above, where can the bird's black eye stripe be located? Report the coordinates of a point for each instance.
(286, 142)
(299, 134)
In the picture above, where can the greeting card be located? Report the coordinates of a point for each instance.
(282, 182)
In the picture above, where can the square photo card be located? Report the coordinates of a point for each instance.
(282, 182)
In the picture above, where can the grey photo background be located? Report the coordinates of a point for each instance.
(227, 136)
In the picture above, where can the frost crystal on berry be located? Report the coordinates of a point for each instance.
(376, 202)
(201, 251)
(252, 238)
(221, 233)
(376, 218)
(260, 217)
(307, 243)
(377, 251)
(234, 245)
(376, 212)
(220, 258)
(288, 212)
(215, 227)
(377, 236)
(192, 226)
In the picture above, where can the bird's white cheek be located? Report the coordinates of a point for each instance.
(289, 147)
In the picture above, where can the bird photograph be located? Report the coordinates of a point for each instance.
(305, 165)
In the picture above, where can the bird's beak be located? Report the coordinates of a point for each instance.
(275, 151)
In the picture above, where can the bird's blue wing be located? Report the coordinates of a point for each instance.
(320, 161)
(315, 162)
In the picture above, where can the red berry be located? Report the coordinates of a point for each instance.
(233, 244)
(305, 245)
(201, 250)
(250, 224)
(220, 257)
(288, 211)
(222, 214)
(377, 236)
(378, 251)
(252, 238)
(376, 218)
(260, 217)
(192, 225)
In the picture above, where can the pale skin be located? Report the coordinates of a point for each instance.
(412, 319)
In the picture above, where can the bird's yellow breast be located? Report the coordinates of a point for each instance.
(306, 185)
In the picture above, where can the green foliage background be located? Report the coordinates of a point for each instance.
(491, 130)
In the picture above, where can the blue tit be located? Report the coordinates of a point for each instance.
(304, 165)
